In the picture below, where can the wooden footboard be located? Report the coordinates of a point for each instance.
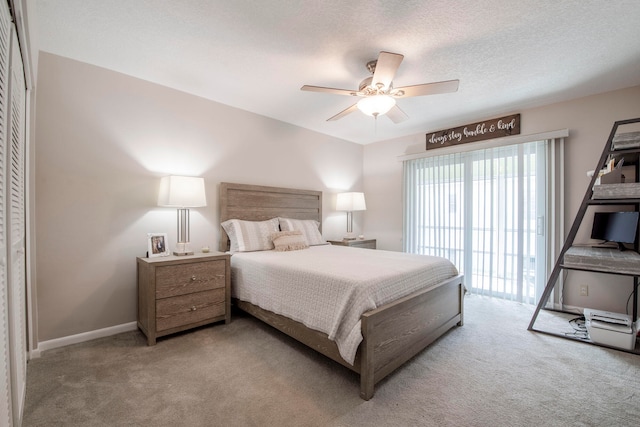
(396, 332)
(393, 333)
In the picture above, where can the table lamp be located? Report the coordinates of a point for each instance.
(350, 202)
(182, 192)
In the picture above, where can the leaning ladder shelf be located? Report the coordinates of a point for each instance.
(609, 261)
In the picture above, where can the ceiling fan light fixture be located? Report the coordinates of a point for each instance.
(376, 105)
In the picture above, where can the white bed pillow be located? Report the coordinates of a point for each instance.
(249, 236)
(309, 228)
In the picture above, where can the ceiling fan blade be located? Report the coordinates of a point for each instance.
(343, 113)
(428, 88)
(397, 115)
(386, 68)
(329, 90)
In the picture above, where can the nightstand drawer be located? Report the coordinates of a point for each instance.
(186, 309)
(365, 244)
(183, 279)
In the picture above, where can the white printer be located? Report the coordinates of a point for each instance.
(612, 329)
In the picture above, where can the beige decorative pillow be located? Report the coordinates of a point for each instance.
(308, 227)
(289, 240)
(248, 236)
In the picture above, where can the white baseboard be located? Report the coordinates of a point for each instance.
(85, 336)
(570, 308)
(574, 309)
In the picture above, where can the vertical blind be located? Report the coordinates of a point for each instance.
(485, 211)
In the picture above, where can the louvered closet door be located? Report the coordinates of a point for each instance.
(6, 418)
(16, 227)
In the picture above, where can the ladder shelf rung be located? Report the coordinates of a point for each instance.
(614, 201)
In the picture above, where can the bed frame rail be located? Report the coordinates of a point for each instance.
(316, 340)
(392, 334)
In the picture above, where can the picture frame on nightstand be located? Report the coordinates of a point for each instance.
(157, 245)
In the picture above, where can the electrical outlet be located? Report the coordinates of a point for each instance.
(584, 291)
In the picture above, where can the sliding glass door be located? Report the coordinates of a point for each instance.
(485, 211)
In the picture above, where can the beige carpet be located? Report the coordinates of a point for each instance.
(490, 372)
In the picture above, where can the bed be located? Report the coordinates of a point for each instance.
(391, 334)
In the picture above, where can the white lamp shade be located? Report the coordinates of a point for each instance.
(182, 192)
(350, 202)
(376, 105)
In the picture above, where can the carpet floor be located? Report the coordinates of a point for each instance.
(489, 372)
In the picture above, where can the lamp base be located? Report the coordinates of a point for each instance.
(182, 249)
(183, 253)
(350, 236)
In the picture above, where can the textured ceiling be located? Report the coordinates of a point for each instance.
(255, 55)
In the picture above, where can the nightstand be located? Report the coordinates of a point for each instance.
(357, 243)
(176, 293)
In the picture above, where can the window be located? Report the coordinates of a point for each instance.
(488, 212)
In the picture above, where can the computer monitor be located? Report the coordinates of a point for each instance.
(617, 227)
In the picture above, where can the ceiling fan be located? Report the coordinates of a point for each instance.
(378, 96)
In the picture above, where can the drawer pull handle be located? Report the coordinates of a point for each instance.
(193, 308)
(193, 278)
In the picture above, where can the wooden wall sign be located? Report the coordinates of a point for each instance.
(488, 129)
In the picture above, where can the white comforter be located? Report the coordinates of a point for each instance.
(328, 288)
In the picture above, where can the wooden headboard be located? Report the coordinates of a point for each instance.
(260, 203)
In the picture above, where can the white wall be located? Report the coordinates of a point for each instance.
(104, 139)
(589, 121)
